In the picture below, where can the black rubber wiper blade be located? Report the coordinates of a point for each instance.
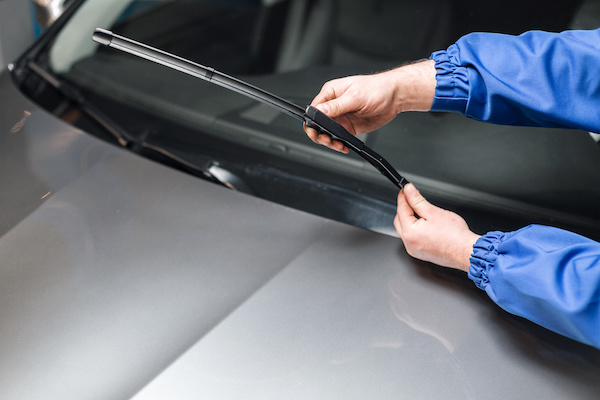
(309, 115)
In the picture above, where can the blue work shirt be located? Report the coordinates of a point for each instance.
(547, 275)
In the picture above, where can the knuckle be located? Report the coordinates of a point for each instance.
(329, 90)
(335, 107)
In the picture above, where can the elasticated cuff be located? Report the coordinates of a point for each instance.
(485, 253)
(452, 89)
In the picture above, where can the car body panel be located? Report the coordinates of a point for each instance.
(354, 318)
(122, 278)
(110, 255)
(42, 154)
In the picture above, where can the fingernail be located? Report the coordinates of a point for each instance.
(324, 108)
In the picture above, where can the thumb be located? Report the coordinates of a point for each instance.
(337, 107)
(417, 202)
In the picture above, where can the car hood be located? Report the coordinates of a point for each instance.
(122, 278)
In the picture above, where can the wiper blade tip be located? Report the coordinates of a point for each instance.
(102, 36)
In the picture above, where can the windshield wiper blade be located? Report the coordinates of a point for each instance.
(309, 115)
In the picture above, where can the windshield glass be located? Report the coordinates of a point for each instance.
(290, 48)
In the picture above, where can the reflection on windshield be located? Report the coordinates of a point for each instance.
(290, 48)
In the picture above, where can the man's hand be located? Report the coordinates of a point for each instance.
(364, 103)
(433, 234)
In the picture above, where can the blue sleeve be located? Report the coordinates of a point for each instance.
(535, 79)
(544, 274)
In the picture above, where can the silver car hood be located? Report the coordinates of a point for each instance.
(121, 278)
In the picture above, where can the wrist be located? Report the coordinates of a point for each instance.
(415, 86)
(463, 262)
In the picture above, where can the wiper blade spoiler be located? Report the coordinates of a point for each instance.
(309, 115)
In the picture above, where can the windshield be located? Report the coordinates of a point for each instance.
(290, 48)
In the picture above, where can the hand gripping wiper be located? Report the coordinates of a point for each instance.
(309, 115)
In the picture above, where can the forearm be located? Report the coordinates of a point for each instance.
(535, 79)
(544, 274)
(415, 85)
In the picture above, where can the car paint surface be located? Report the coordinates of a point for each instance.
(121, 278)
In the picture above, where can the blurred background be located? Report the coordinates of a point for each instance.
(21, 21)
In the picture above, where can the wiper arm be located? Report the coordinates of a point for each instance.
(211, 171)
(77, 98)
(309, 115)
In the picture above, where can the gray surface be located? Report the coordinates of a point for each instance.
(120, 276)
(353, 318)
(121, 273)
(123, 266)
(41, 155)
(16, 29)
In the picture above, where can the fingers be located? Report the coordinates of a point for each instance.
(338, 106)
(411, 206)
(332, 102)
(325, 140)
(417, 203)
(404, 212)
(438, 236)
(326, 101)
